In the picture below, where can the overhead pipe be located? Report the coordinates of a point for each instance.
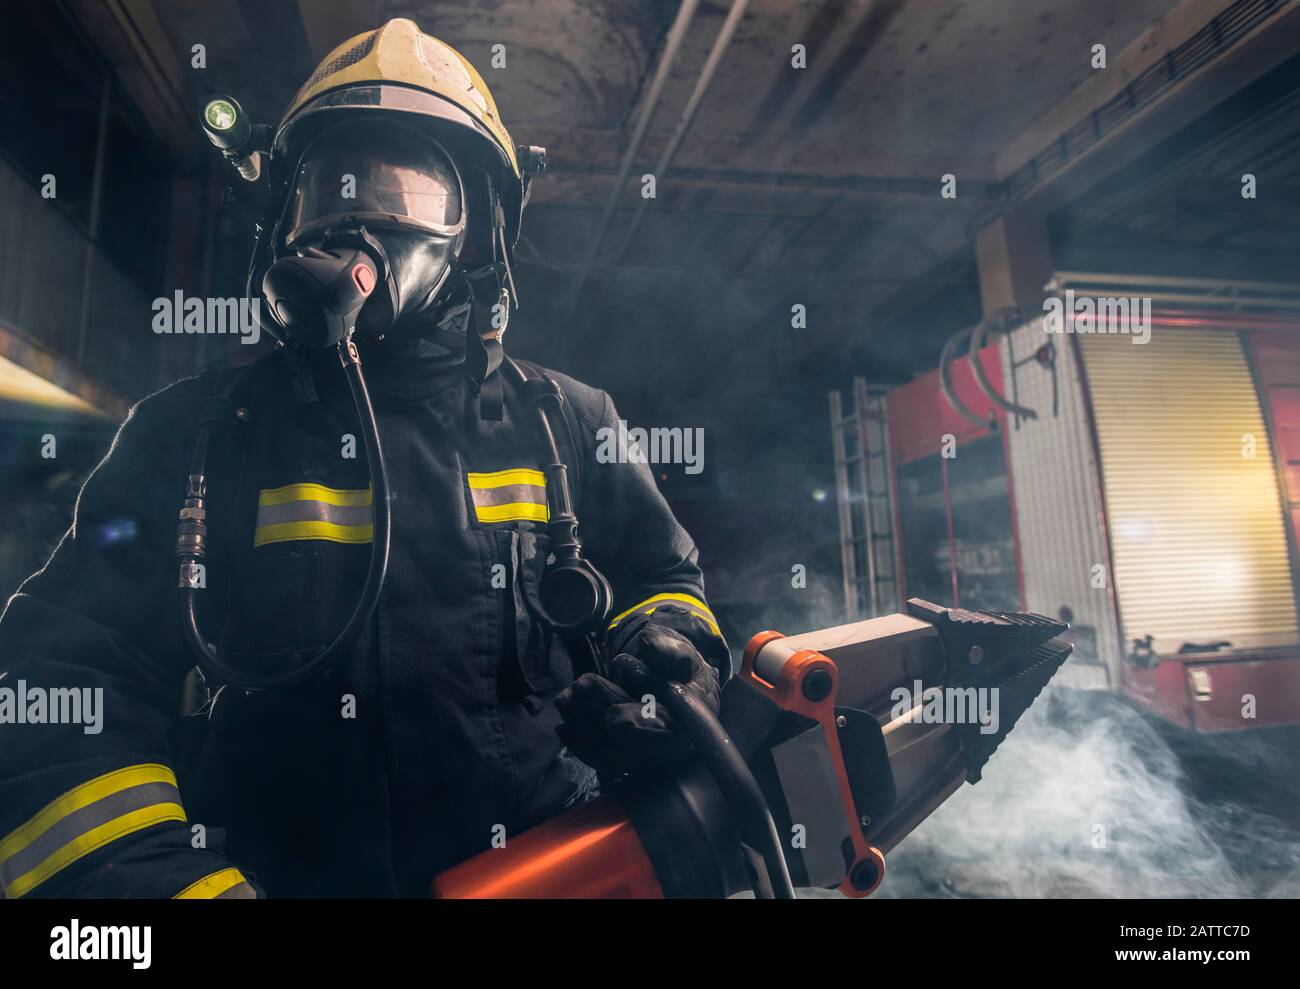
(676, 34)
(687, 118)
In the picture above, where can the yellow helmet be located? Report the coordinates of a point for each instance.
(399, 69)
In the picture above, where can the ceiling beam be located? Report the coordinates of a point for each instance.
(1104, 124)
(898, 193)
(129, 36)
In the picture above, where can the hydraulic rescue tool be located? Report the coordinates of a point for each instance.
(830, 748)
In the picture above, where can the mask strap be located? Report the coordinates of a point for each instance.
(505, 256)
(499, 237)
(491, 400)
(304, 381)
(483, 357)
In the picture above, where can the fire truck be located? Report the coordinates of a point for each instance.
(1142, 485)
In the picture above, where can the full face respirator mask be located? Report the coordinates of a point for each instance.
(370, 233)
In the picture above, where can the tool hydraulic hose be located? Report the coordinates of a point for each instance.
(749, 808)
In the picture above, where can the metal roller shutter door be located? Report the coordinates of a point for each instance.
(1196, 528)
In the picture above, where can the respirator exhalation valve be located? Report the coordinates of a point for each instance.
(317, 294)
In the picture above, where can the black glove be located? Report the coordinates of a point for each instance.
(606, 726)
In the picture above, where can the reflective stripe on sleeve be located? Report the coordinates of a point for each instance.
(647, 607)
(227, 884)
(85, 819)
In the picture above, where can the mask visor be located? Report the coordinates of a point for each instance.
(378, 174)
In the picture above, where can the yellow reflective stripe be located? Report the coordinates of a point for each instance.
(313, 511)
(282, 532)
(82, 796)
(516, 494)
(502, 478)
(119, 827)
(689, 599)
(314, 492)
(212, 886)
(512, 512)
(696, 606)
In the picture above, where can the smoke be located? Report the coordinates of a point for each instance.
(1089, 798)
(782, 585)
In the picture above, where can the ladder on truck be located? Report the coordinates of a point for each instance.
(864, 496)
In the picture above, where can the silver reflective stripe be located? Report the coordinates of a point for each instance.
(314, 511)
(509, 494)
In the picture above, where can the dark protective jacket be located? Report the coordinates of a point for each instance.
(435, 733)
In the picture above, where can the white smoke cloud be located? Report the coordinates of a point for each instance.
(1086, 798)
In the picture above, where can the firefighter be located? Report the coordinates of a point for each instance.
(443, 727)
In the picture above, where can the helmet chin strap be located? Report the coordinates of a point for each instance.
(484, 355)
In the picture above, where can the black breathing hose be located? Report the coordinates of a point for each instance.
(562, 522)
(544, 422)
(191, 551)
